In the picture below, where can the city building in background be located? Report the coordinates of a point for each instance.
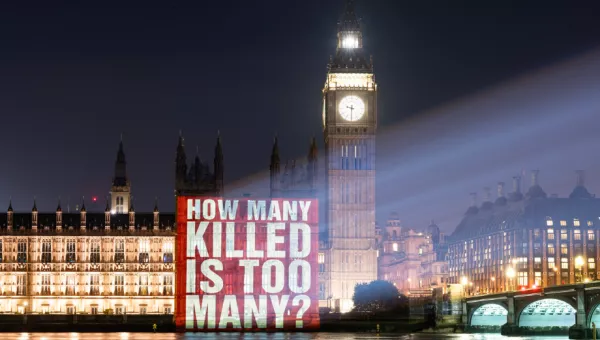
(522, 241)
(414, 261)
(117, 261)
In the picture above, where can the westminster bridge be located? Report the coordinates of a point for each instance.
(576, 306)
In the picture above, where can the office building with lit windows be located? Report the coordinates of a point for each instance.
(527, 240)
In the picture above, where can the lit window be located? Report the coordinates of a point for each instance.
(563, 223)
(591, 235)
(550, 234)
(395, 246)
(321, 257)
(168, 285)
(168, 252)
(576, 222)
(577, 235)
(549, 223)
(143, 284)
(564, 250)
(120, 251)
(551, 264)
(564, 263)
(95, 252)
(564, 235)
(144, 251)
(591, 263)
(70, 257)
(590, 223)
(550, 249)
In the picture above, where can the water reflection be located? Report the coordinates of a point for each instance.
(261, 336)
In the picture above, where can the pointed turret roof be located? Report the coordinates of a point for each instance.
(58, 208)
(10, 208)
(120, 177)
(275, 152)
(34, 209)
(313, 150)
(349, 21)
(82, 205)
(156, 204)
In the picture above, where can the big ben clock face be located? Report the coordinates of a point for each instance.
(352, 108)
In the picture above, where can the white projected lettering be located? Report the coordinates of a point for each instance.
(250, 263)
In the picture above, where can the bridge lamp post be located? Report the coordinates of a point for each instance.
(579, 266)
(464, 282)
(510, 274)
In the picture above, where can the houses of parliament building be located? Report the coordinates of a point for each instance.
(117, 261)
(122, 261)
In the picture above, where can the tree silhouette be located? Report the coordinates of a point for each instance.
(376, 295)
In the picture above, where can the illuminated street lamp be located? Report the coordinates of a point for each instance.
(464, 282)
(578, 265)
(510, 274)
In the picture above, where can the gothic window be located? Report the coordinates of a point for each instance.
(45, 284)
(591, 263)
(46, 251)
(21, 285)
(168, 284)
(119, 251)
(70, 288)
(70, 257)
(577, 235)
(143, 289)
(168, 252)
(144, 251)
(94, 284)
(95, 252)
(22, 251)
(119, 284)
(591, 235)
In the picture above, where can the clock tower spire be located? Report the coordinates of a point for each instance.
(349, 129)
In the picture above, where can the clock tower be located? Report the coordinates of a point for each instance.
(349, 254)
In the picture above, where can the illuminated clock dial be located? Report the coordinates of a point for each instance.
(352, 108)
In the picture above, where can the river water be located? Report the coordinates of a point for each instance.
(261, 336)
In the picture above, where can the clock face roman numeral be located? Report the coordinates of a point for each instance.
(351, 108)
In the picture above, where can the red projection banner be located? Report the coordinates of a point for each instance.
(246, 264)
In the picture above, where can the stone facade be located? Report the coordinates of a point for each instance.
(414, 261)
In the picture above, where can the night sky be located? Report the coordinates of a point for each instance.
(471, 93)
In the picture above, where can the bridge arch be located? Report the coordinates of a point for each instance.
(489, 314)
(594, 312)
(547, 312)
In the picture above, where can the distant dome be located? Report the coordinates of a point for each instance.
(536, 191)
(580, 192)
(487, 205)
(501, 201)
